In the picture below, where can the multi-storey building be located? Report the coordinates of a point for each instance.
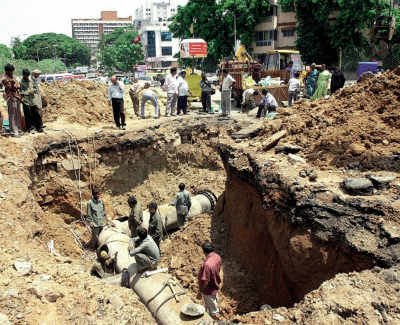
(89, 31)
(152, 19)
(275, 31)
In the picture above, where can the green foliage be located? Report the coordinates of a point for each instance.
(5, 51)
(215, 27)
(325, 26)
(118, 52)
(46, 66)
(50, 46)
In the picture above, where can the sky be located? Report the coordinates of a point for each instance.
(21, 18)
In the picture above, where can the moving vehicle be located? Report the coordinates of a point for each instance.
(276, 62)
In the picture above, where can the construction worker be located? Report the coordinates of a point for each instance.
(267, 104)
(145, 251)
(149, 95)
(209, 279)
(182, 204)
(97, 216)
(135, 218)
(155, 223)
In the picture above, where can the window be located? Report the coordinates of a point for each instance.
(166, 50)
(151, 44)
(288, 32)
(265, 38)
(166, 36)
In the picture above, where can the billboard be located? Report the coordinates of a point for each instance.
(193, 48)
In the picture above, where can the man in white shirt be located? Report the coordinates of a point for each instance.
(149, 95)
(183, 92)
(294, 88)
(116, 98)
(226, 92)
(171, 87)
(268, 104)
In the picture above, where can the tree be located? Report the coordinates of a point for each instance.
(325, 26)
(5, 51)
(52, 46)
(118, 51)
(213, 21)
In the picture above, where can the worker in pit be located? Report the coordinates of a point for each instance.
(209, 279)
(268, 104)
(96, 216)
(145, 250)
(155, 223)
(135, 218)
(182, 204)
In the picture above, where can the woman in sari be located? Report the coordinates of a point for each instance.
(311, 80)
(322, 84)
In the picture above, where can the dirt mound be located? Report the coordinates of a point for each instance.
(77, 101)
(359, 127)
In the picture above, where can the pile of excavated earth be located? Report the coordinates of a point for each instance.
(307, 217)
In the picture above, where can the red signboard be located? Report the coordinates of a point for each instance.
(193, 48)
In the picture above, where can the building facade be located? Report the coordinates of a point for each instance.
(89, 31)
(276, 31)
(151, 20)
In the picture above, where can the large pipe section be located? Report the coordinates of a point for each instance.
(115, 238)
(160, 292)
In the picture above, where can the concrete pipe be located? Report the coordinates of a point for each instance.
(115, 238)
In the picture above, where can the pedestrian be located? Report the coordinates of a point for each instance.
(337, 81)
(134, 95)
(171, 87)
(248, 102)
(13, 99)
(226, 92)
(145, 250)
(96, 216)
(116, 98)
(182, 204)
(267, 104)
(322, 84)
(294, 88)
(155, 223)
(209, 279)
(206, 92)
(26, 92)
(290, 69)
(183, 92)
(311, 80)
(36, 109)
(149, 95)
(135, 218)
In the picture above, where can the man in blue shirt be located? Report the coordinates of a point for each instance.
(116, 98)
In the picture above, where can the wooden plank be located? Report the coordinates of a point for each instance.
(273, 140)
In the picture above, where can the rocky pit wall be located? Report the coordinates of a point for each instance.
(299, 237)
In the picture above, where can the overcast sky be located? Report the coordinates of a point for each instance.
(26, 17)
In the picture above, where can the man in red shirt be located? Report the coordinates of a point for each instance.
(209, 279)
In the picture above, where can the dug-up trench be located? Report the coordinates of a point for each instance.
(273, 253)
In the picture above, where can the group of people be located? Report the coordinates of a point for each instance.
(27, 93)
(145, 242)
(317, 81)
(175, 86)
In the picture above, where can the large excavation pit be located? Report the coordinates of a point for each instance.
(270, 257)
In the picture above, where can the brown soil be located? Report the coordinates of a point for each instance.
(82, 102)
(359, 127)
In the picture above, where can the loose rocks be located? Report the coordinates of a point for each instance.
(358, 186)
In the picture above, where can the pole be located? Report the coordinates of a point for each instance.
(234, 30)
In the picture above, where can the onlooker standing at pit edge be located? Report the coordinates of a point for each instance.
(171, 87)
(226, 92)
(116, 98)
(183, 92)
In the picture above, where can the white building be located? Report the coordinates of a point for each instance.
(90, 30)
(152, 19)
